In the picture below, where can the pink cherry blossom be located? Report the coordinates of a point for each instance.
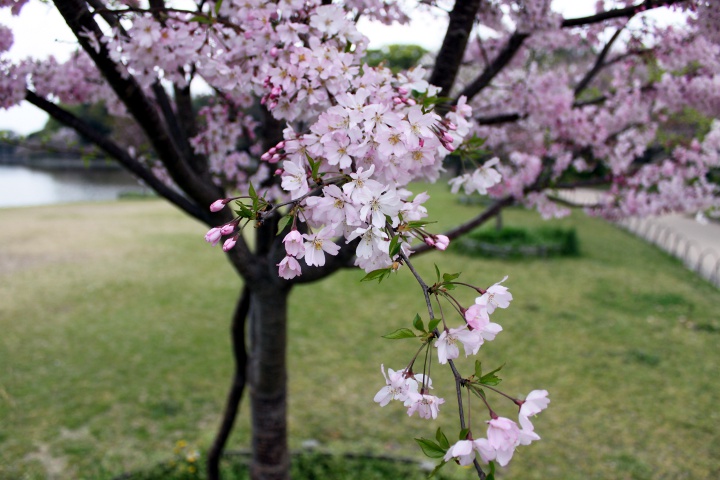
(447, 343)
(289, 268)
(317, 245)
(294, 244)
(494, 297)
(426, 406)
(534, 403)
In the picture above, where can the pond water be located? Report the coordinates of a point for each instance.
(24, 186)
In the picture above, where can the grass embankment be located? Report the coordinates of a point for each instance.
(114, 346)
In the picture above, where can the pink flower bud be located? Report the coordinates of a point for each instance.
(403, 91)
(397, 100)
(274, 159)
(279, 171)
(227, 229)
(229, 243)
(280, 145)
(265, 157)
(411, 101)
(272, 151)
(218, 205)
(449, 147)
(274, 52)
(213, 236)
(447, 137)
(451, 126)
(441, 242)
(429, 241)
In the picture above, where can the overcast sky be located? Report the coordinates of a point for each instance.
(40, 31)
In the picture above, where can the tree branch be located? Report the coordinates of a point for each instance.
(598, 64)
(503, 58)
(119, 154)
(471, 224)
(79, 18)
(449, 58)
(618, 13)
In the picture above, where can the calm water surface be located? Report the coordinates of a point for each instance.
(23, 186)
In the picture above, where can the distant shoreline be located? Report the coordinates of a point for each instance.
(55, 163)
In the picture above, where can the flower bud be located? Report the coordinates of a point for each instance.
(227, 229)
(218, 205)
(213, 236)
(229, 243)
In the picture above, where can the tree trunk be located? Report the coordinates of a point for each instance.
(267, 375)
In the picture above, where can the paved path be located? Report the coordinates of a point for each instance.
(695, 243)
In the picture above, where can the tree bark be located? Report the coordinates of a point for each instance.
(267, 375)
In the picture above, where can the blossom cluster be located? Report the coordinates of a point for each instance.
(503, 435)
(412, 389)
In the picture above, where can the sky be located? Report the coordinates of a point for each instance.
(40, 32)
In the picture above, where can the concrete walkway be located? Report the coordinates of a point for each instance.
(695, 243)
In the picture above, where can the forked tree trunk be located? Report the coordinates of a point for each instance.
(267, 375)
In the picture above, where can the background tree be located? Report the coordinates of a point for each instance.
(552, 123)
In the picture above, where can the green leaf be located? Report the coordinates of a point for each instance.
(442, 439)
(449, 277)
(244, 212)
(436, 469)
(378, 275)
(394, 246)
(314, 166)
(430, 448)
(490, 378)
(200, 19)
(218, 5)
(478, 369)
(418, 224)
(476, 390)
(400, 333)
(418, 323)
(437, 270)
(491, 474)
(464, 433)
(432, 325)
(283, 222)
(253, 195)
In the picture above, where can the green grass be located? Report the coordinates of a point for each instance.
(114, 346)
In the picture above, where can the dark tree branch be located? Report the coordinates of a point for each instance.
(119, 154)
(79, 18)
(626, 12)
(504, 57)
(471, 224)
(111, 20)
(177, 136)
(237, 386)
(500, 118)
(449, 58)
(590, 75)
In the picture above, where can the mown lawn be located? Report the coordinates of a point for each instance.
(114, 346)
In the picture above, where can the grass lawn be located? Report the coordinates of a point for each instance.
(114, 346)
